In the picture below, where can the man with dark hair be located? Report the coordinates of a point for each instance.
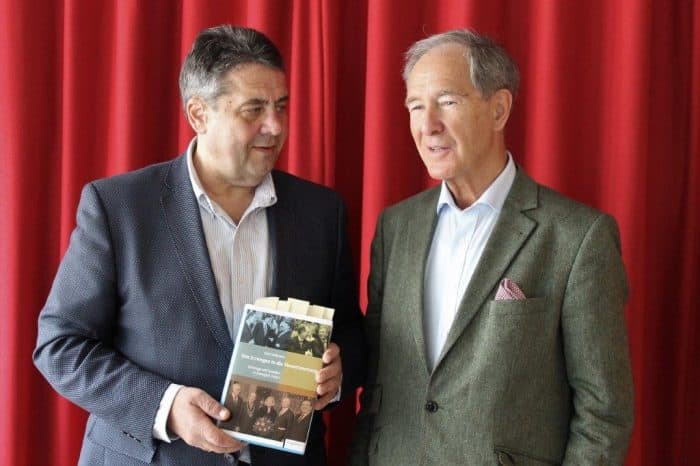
(298, 343)
(284, 334)
(265, 418)
(138, 328)
(236, 403)
(300, 426)
(284, 420)
(270, 331)
(253, 330)
(250, 408)
(500, 300)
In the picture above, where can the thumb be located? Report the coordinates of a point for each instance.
(211, 407)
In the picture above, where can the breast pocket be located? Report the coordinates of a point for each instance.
(515, 307)
(507, 456)
(519, 333)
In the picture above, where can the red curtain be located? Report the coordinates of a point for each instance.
(609, 113)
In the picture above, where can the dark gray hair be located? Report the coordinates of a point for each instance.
(216, 51)
(490, 66)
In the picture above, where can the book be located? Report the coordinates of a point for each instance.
(271, 381)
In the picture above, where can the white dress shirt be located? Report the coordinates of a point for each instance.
(458, 242)
(240, 258)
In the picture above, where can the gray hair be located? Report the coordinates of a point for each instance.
(490, 66)
(216, 51)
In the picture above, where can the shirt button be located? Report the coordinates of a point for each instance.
(431, 406)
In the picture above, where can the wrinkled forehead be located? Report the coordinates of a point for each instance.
(444, 67)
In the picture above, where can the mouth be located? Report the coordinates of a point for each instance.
(265, 148)
(437, 150)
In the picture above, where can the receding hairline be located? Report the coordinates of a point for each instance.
(412, 56)
(489, 65)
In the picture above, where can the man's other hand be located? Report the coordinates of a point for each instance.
(190, 419)
(328, 379)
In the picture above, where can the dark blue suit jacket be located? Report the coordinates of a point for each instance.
(134, 307)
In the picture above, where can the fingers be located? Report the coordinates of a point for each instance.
(329, 373)
(214, 440)
(328, 379)
(331, 353)
(333, 367)
(190, 418)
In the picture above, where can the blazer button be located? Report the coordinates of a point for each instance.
(505, 459)
(431, 406)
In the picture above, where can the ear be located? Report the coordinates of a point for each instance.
(196, 113)
(501, 103)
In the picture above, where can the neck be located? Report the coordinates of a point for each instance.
(234, 199)
(467, 189)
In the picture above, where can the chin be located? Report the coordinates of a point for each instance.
(266, 169)
(439, 174)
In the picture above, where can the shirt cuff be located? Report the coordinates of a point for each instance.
(160, 430)
(340, 391)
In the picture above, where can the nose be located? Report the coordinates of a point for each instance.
(431, 124)
(274, 122)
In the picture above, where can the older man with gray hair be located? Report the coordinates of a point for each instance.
(495, 321)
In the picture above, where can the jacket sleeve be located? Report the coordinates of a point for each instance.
(78, 324)
(596, 350)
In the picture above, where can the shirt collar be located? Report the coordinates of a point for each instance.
(494, 196)
(265, 194)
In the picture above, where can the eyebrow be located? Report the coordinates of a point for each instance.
(451, 92)
(256, 101)
(442, 93)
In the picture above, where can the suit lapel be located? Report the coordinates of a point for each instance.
(419, 236)
(185, 226)
(284, 236)
(510, 233)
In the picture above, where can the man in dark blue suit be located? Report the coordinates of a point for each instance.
(138, 326)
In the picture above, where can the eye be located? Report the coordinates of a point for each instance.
(281, 107)
(252, 112)
(447, 103)
(414, 107)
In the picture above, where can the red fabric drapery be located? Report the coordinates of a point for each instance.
(609, 113)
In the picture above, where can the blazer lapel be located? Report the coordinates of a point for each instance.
(510, 233)
(419, 236)
(284, 236)
(185, 226)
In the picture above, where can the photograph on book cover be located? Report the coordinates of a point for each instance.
(262, 328)
(271, 382)
(262, 415)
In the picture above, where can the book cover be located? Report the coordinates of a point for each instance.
(271, 382)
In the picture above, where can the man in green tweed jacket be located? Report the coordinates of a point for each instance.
(495, 317)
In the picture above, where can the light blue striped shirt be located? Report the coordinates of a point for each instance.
(458, 242)
(240, 254)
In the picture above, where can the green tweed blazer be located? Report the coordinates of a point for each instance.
(538, 381)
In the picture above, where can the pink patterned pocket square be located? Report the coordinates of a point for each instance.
(509, 290)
